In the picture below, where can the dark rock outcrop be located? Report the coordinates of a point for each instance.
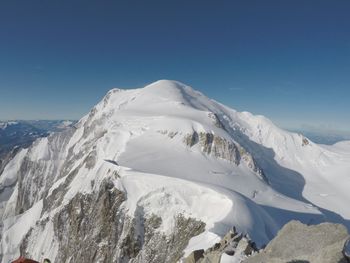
(96, 227)
(225, 149)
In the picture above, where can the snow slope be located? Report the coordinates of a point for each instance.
(176, 151)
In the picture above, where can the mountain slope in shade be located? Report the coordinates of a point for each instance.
(22, 133)
(164, 168)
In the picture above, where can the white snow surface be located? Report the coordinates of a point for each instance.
(140, 134)
(15, 228)
(64, 124)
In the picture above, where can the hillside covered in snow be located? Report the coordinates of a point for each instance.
(151, 174)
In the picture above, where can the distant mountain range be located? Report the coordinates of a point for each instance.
(19, 134)
(323, 137)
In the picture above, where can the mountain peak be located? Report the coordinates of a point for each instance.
(166, 83)
(162, 95)
(169, 89)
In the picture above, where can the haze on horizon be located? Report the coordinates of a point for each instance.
(287, 60)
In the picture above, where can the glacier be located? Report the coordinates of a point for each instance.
(151, 174)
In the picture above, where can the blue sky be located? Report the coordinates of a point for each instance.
(288, 60)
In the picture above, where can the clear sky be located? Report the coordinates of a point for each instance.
(288, 60)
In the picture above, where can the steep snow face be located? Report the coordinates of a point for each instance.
(175, 160)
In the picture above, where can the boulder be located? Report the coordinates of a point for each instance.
(297, 242)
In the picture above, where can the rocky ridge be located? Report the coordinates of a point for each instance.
(234, 245)
(294, 243)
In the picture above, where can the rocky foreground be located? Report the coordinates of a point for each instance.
(295, 242)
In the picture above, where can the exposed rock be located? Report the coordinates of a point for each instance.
(171, 134)
(216, 120)
(224, 149)
(245, 246)
(157, 247)
(214, 145)
(232, 243)
(213, 257)
(36, 177)
(6, 157)
(249, 160)
(297, 242)
(195, 256)
(96, 228)
(95, 216)
(163, 132)
(305, 142)
(191, 139)
(346, 250)
(91, 159)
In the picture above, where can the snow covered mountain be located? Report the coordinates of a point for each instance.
(15, 135)
(151, 174)
(21, 133)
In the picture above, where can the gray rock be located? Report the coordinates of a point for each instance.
(195, 256)
(214, 145)
(245, 246)
(95, 228)
(222, 148)
(346, 250)
(297, 242)
(213, 257)
(305, 142)
(230, 244)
